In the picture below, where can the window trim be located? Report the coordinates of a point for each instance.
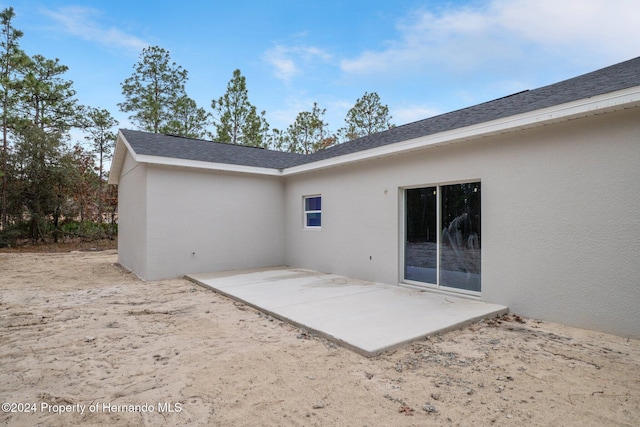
(306, 212)
(436, 287)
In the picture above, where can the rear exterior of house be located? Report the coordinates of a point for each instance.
(555, 216)
(529, 201)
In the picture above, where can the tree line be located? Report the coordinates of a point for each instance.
(51, 189)
(156, 99)
(54, 188)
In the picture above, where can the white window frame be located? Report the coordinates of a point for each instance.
(306, 212)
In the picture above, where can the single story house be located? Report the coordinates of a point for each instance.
(529, 201)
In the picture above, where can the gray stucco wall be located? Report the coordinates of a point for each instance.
(200, 221)
(564, 240)
(560, 232)
(132, 216)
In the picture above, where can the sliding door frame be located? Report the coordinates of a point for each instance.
(436, 287)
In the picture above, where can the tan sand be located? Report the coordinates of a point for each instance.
(78, 334)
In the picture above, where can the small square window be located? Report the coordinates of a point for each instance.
(313, 211)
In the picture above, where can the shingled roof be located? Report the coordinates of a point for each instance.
(177, 147)
(610, 79)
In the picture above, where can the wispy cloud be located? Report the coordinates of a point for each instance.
(288, 61)
(84, 22)
(283, 64)
(461, 38)
(408, 114)
(290, 106)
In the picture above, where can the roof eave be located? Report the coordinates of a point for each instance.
(200, 164)
(122, 146)
(120, 152)
(584, 107)
(600, 104)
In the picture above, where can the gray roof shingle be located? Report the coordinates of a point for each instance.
(152, 144)
(616, 77)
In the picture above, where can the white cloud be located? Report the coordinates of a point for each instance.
(282, 117)
(81, 22)
(408, 114)
(595, 24)
(463, 37)
(288, 61)
(284, 65)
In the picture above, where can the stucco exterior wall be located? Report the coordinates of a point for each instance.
(132, 216)
(200, 221)
(563, 240)
(359, 234)
(560, 234)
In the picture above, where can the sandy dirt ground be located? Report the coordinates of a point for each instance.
(84, 343)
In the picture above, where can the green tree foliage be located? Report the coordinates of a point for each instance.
(236, 119)
(46, 100)
(46, 110)
(307, 134)
(102, 139)
(188, 120)
(153, 89)
(366, 117)
(12, 60)
(46, 184)
(39, 178)
(277, 140)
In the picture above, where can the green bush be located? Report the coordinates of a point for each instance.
(45, 231)
(13, 233)
(70, 229)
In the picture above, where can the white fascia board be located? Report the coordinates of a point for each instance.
(626, 98)
(120, 152)
(122, 146)
(198, 164)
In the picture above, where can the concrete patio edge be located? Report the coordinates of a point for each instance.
(365, 317)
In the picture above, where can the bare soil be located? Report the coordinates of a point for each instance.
(83, 342)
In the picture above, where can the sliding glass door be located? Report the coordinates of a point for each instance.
(442, 236)
(421, 252)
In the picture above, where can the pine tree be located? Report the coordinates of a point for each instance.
(308, 133)
(12, 60)
(236, 119)
(46, 100)
(102, 138)
(367, 116)
(188, 120)
(153, 89)
(46, 110)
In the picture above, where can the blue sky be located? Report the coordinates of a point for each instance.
(422, 57)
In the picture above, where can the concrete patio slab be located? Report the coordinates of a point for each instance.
(367, 317)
